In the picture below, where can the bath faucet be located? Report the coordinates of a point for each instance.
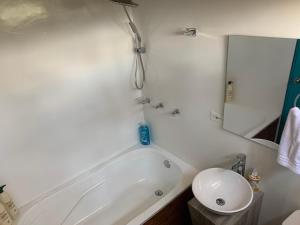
(240, 164)
(143, 100)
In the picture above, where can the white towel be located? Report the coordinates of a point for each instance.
(289, 148)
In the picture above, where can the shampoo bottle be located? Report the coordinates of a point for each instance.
(8, 203)
(144, 134)
(5, 218)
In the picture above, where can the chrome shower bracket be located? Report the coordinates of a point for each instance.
(141, 50)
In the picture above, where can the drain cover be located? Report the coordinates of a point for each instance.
(220, 201)
(158, 193)
(167, 163)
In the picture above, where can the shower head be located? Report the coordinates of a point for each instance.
(126, 3)
(130, 3)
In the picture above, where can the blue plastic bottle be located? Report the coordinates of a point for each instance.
(144, 134)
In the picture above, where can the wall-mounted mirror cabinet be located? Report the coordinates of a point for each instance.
(262, 84)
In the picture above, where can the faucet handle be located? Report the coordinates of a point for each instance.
(175, 112)
(143, 100)
(159, 106)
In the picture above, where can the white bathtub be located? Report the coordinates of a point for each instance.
(120, 191)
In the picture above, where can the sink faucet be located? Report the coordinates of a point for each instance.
(240, 164)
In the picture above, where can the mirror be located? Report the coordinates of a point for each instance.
(260, 84)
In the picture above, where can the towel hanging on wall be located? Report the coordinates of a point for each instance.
(289, 149)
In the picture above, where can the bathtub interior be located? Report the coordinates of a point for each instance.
(111, 195)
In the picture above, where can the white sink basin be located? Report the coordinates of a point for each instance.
(222, 191)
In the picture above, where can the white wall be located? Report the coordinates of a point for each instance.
(66, 101)
(189, 73)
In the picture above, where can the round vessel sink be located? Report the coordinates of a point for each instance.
(222, 191)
